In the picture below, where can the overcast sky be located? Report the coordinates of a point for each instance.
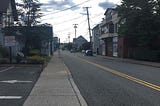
(62, 14)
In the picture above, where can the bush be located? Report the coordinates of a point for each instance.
(47, 58)
(35, 60)
(4, 60)
(3, 52)
(34, 52)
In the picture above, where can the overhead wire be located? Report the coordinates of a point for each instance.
(66, 29)
(69, 28)
(67, 8)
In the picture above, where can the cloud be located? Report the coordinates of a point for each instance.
(106, 5)
(58, 5)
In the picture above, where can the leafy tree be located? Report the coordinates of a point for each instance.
(139, 21)
(29, 11)
(86, 46)
(68, 46)
(34, 36)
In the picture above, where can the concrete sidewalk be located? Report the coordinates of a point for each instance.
(55, 87)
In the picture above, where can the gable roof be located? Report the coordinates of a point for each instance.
(112, 9)
(81, 37)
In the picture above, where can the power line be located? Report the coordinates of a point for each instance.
(68, 8)
(64, 20)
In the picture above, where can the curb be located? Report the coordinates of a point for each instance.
(146, 63)
(141, 63)
(134, 61)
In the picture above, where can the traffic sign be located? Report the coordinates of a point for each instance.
(9, 41)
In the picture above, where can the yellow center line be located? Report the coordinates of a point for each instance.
(139, 81)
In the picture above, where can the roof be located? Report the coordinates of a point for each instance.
(81, 37)
(4, 4)
(108, 10)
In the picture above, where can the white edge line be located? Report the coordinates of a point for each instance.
(6, 69)
(10, 97)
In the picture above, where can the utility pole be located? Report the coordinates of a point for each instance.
(59, 48)
(89, 28)
(69, 37)
(75, 27)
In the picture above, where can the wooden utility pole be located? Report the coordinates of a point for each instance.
(75, 27)
(89, 28)
(69, 37)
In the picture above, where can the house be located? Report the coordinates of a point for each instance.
(8, 15)
(79, 41)
(108, 33)
(95, 39)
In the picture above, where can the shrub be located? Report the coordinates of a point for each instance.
(34, 52)
(35, 60)
(4, 60)
(3, 52)
(47, 58)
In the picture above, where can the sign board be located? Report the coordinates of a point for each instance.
(9, 41)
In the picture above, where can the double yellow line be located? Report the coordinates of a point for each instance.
(142, 82)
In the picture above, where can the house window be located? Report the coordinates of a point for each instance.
(111, 28)
(116, 28)
(0, 19)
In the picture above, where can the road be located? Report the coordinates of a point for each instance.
(104, 82)
(16, 84)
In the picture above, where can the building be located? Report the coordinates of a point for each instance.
(55, 43)
(95, 39)
(79, 41)
(108, 33)
(8, 15)
(102, 43)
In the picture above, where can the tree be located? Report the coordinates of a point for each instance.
(29, 11)
(86, 46)
(35, 36)
(139, 21)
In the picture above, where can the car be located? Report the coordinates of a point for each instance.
(89, 53)
(72, 51)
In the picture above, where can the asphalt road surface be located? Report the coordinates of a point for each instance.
(16, 83)
(104, 82)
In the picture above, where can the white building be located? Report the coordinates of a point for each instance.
(8, 15)
(95, 39)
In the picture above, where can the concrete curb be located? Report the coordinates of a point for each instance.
(146, 63)
(137, 62)
(75, 88)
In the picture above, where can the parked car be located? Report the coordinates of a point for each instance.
(89, 53)
(72, 51)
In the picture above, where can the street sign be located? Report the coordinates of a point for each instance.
(9, 41)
